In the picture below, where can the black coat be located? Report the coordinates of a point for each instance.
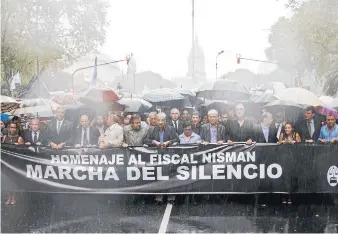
(302, 129)
(179, 126)
(259, 135)
(153, 134)
(27, 136)
(94, 135)
(65, 134)
(196, 129)
(205, 132)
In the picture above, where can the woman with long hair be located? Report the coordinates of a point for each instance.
(289, 136)
(12, 137)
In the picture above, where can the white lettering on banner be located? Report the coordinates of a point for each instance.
(115, 159)
(69, 173)
(229, 157)
(133, 173)
(34, 172)
(250, 171)
(236, 172)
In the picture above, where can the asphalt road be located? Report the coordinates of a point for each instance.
(138, 214)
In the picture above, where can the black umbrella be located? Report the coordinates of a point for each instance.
(135, 105)
(162, 95)
(223, 90)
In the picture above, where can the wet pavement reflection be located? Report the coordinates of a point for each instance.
(41, 213)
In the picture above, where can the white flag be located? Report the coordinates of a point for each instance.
(17, 78)
(12, 84)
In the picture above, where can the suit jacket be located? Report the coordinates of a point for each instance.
(179, 126)
(205, 132)
(302, 129)
(27, 136)
(259, 135)
(153, 134)
(64, 135)
(196, 129)
(94, 135)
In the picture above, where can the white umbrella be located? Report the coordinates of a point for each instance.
(300, 96)
(35, 106)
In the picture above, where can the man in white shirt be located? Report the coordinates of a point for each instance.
(113, 135)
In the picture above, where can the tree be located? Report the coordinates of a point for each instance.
(55, 31)
(308, 41)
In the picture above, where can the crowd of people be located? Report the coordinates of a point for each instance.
(160, 130)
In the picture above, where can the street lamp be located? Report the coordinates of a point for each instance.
(84, 68)
(218, 54)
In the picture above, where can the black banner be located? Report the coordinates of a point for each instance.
(260, 168)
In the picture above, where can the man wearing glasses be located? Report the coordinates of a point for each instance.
(188, 136)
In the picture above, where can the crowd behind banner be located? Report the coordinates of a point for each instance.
(176, 127)
(167, 129)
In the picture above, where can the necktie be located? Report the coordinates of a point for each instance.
(85, 140)
(175, 124)
(35, 137)
(309, 127)
(58, 127)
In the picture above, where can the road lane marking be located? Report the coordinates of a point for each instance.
(165, 219)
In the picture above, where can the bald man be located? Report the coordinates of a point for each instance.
(84, 135)
(33, 136)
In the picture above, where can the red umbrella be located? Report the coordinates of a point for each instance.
(102, 95)
(66, 99)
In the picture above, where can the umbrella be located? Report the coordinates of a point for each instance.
(8, 104)
(101, 95)
(223, 90)
(66, 99)
(185, 92)
(162, 95)
(283, 104)
(35, 106)
(325, 111)
(135, 105)
(329, 102)
(300, 96)
(263, 98)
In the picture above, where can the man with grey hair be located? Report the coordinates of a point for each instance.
(175, 121)
(113, 135)
(213, 132)
(151, 120)
(162, 135)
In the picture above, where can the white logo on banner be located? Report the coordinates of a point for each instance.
(332, 176)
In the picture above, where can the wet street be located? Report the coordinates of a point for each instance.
(138, 214)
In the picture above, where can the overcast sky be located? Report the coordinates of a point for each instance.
(158, 32)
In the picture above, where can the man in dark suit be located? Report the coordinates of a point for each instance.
(85, 135)
(59, 130)
(33, 136)
(196, 126)
(175, 121)
(266, 131)
(309, 127)
(213, 132)
(162, 135)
